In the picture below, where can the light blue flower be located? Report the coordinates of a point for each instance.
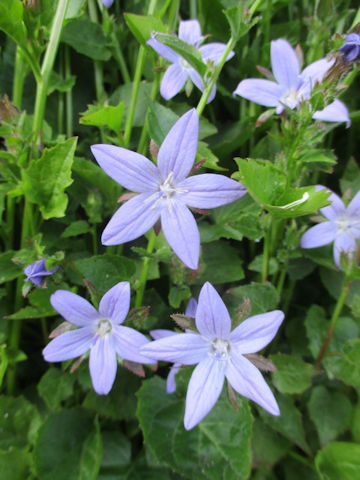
(219, 354)
(37, 272)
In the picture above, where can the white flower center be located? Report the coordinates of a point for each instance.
(185, 64)
(167, 191)
(291, 98)
(104, 327)
(346, 224)
(220, 348)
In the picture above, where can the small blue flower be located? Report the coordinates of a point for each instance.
(100, 332)
(351, 47)
(107, 3)
(37, 272)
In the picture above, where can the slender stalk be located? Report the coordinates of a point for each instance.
(68, 95)
(265, 263)
(119, 57)
(19, 78)
(282, 277)
(288, 296)
(136, 84)
(98, 70)
(61, 103)
(193, 9)
(47, 66)
(255, 6)
(207, 90)
(145, 270)
(337, 310)
(144, 133)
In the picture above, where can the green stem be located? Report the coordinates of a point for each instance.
(136, 84)
(254, 7)
(193, 9)
(47, 66)
(68, 97)
(288, 296)
(282, 277)
(265, 263)
(207, 90)
(98, 70)
(145, 270)
(19, 78)
(144, 133)
(337, 310)
(119, 57)
(61, 103)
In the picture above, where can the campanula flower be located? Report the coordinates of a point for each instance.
(219, 353)
(107, 3)
(162, 333)
(291, 86)
(100, 332)
(351, 47)
(37, 272)
(180, 71)
(164, 191)
(342, 227)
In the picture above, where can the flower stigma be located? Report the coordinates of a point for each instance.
(104, 327)
(220, 348)
(166, 191)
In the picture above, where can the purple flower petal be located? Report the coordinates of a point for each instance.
(107, 3)
(344, 243)
(190, 32)
(74, 308)
(131, 220)
(214, 52)
(335, 112)
(181, 232)
(285, 64)
(316, 71)
(246, 379)
(170, 381)
(178, 150)
(130, 169)
(212, 317)
(319, 235)
(353, 209)
(69, 345)
(263, 92)
(191, 308)
(196, 78)
(128, 343)
(337, 207)
(204, 389)
(103, 365)
(256, 332)
(161, 333)
(115, 304)
(164, 51)
(182, 348)
(210, 190)
(36, 272)
(173, 81)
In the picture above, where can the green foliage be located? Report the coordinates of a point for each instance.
(263, 297)
(322, 405)
(346, 366)
(8, 269)
(292, 375)
(11, 21)
(55, 386)
(209, 449)
(338, 460)
(107, 116)
(87, 38)
(46, 179)
(142, 26)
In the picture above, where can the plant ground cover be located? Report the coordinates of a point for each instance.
(179, 241)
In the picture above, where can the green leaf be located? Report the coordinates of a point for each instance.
(11, 21)
(292, 375)
(240, 21)
(346, 366)
(256, 265)
(177, 294)
(8, 269)
(318, 156)
(104, 271)
(91, 455)
(355, 424)
(86, 37)
(76, 228)
(204, 153)
(55, 386)
(46, 179)
(64, 441)
(209, 449)
(288, 423)
(117, 450)
(268, 447)
(14, 464)
(188, 52)
(268, 186)
(263, 296)
(338, 461)
(331, 413)
(119, 403)
(19, 420)
(351, 178)
(104, 116)
(231, 265)
(60, 84)
(142, 26)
